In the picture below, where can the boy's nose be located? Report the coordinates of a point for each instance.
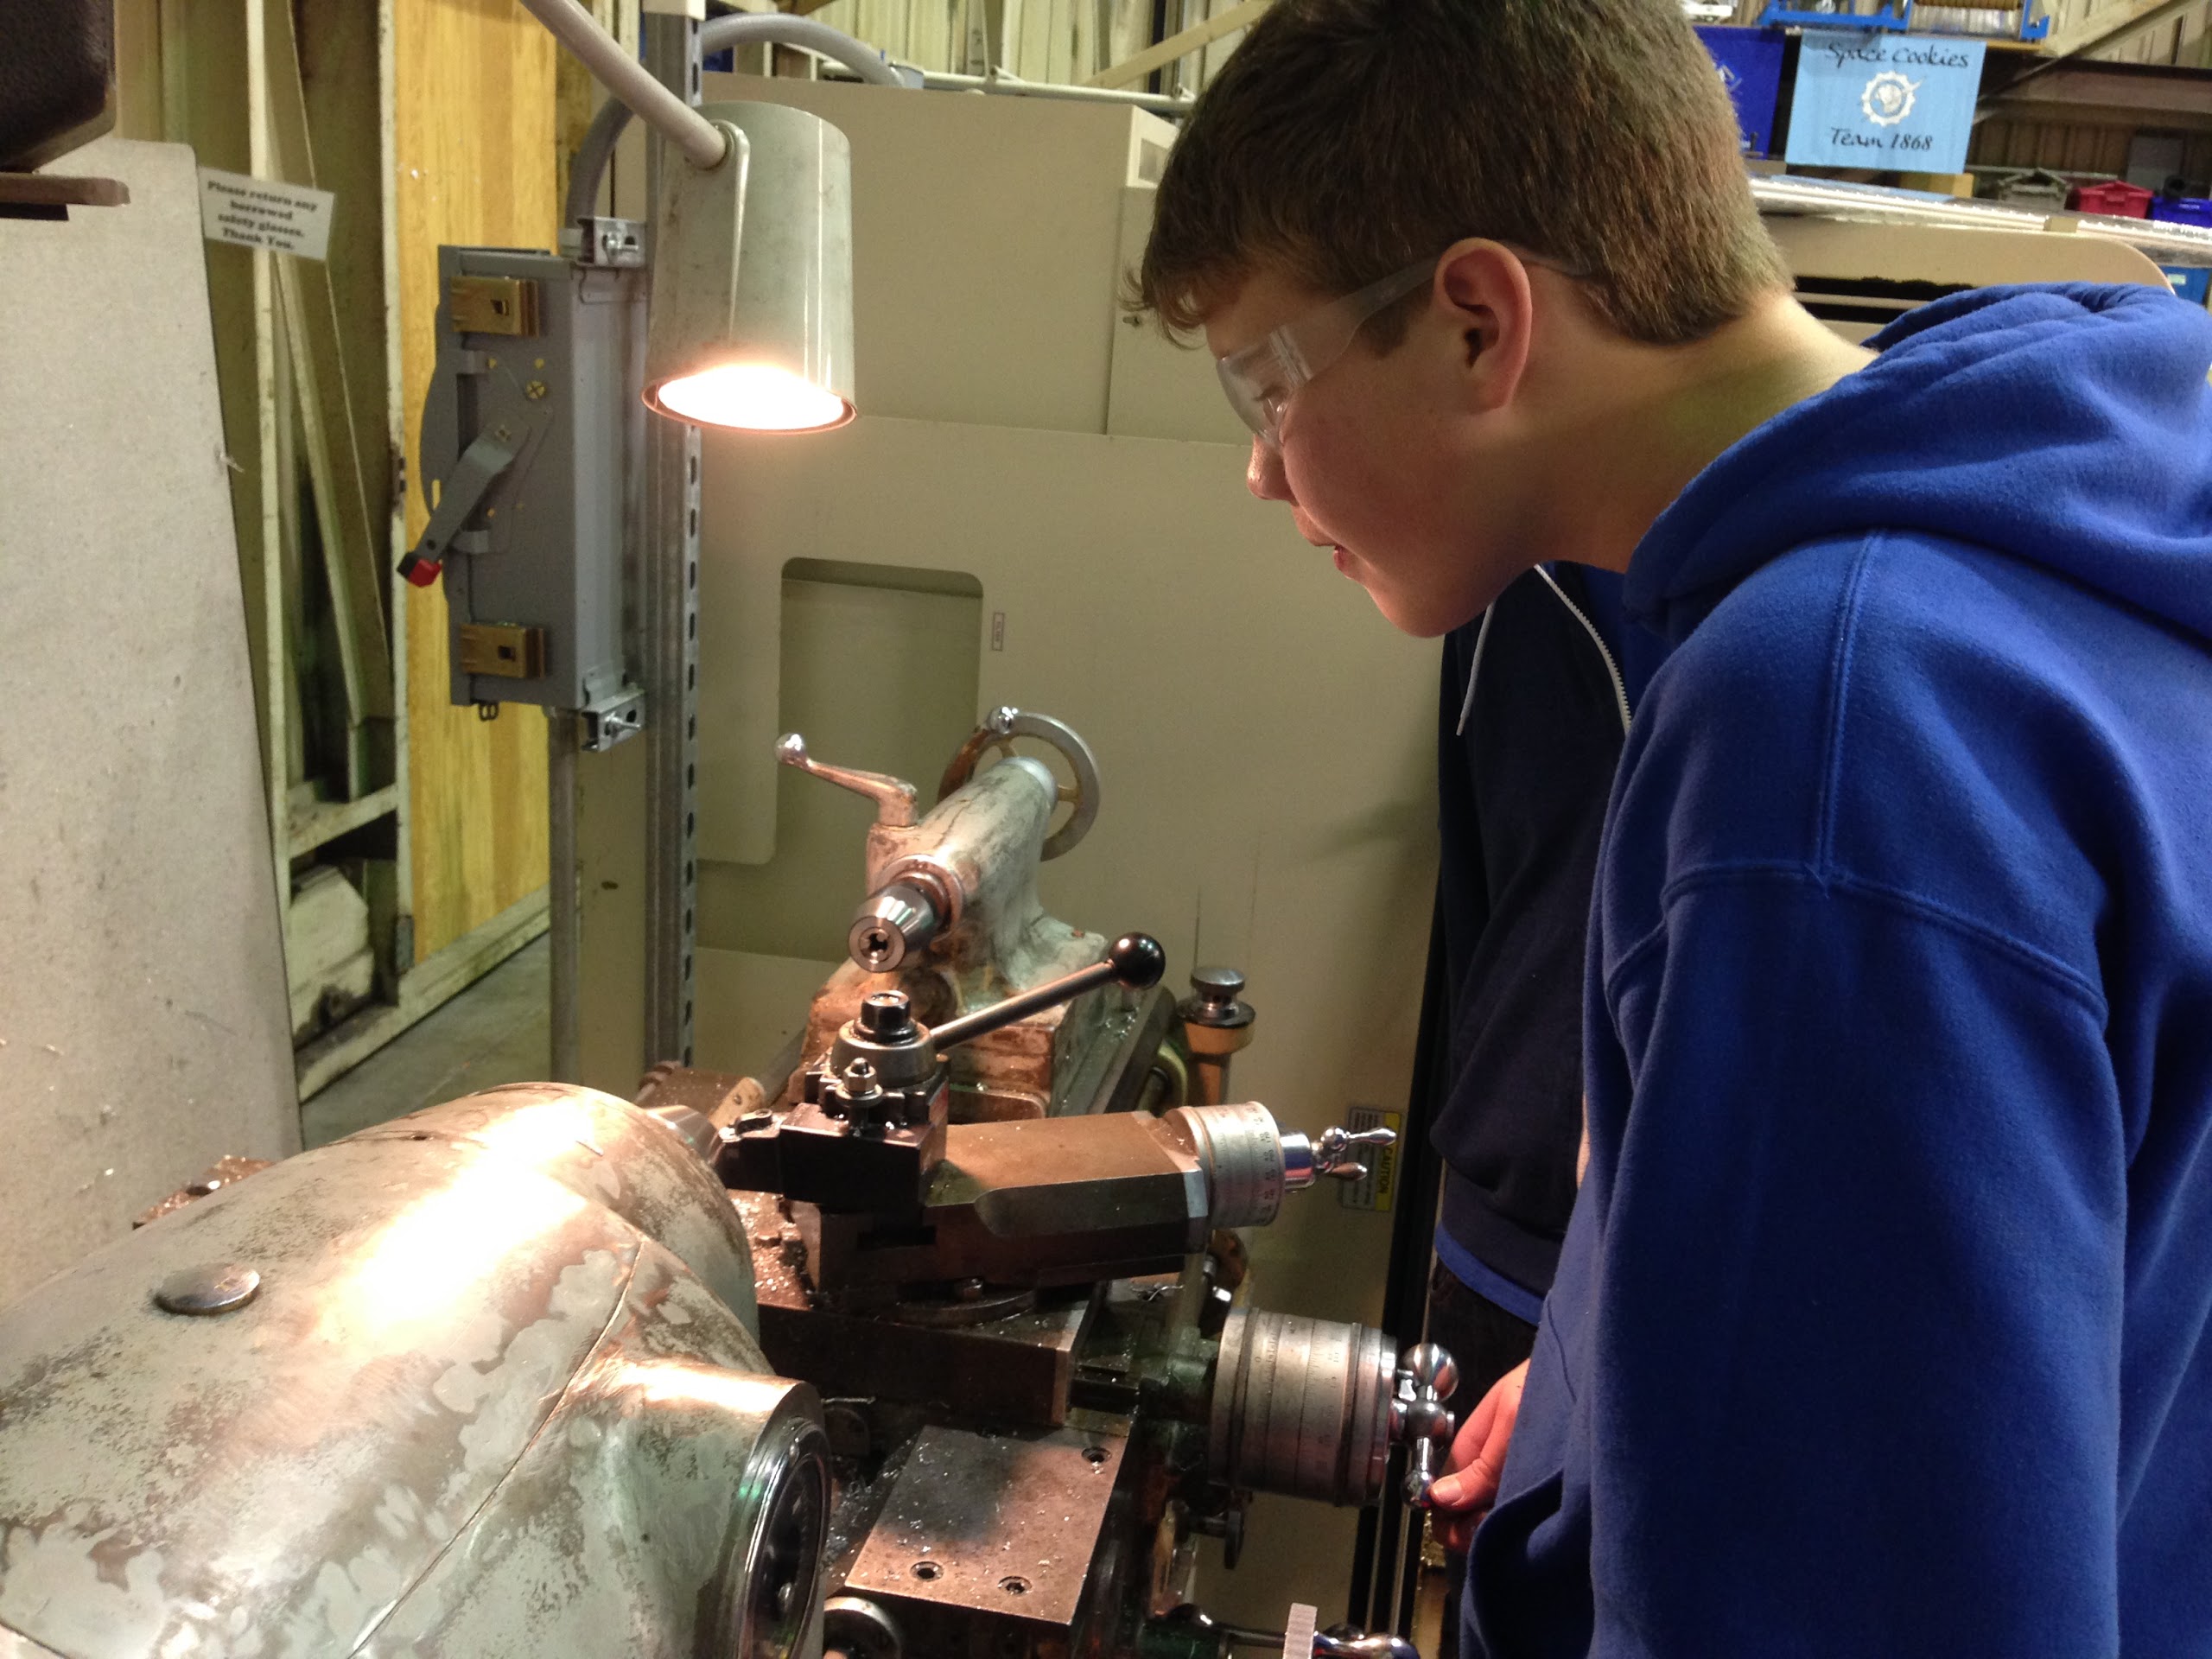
(1264, 475)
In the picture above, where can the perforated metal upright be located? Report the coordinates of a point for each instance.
(668, 543)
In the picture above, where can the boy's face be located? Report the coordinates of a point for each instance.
(1383, 463)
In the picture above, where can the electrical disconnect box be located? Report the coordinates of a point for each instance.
(530, 420)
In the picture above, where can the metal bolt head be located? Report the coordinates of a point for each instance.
(1217, 985)
(887, 1016)
(217, 1288)
(1215, 1005)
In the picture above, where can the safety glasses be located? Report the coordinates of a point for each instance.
(1261, 379)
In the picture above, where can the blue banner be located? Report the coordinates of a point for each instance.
(1889, 101)
(1750, 61)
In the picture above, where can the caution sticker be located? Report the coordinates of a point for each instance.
(1379, 1191)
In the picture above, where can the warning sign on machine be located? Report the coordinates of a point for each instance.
(1379, 1188)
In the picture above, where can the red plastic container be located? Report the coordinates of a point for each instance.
(2116, 199)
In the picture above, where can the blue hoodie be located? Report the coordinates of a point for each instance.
(1879, 1329)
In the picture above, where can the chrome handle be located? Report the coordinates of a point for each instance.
(1306, 1161)
(1380, 1645)
(1341, 1643)
(895, 798)
(1420, 1417)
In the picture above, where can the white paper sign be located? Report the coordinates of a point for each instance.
(259, 213)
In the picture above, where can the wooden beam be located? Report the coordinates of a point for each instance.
(1129, 71)
(2114, 25)
(351, 552)
(421, 990)
(313, 822)
(61, 190)
(2127, 95)
(390, 890)
(138, 82)
(576, 96)
(338, 52)
(213, 57)
(176, 93)
(269, 480)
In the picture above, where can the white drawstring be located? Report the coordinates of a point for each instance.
(1620, 686)
(1482, 638)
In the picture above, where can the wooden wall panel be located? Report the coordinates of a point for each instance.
(2173, 42)
(139, 69)
(577, 96)
(2064, 147)
(337, 51)
(1063, 41)
(475, 162)
(1071, 39)
(2183, 41)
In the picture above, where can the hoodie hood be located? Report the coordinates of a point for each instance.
(2068, 426)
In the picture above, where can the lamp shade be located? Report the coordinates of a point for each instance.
(751, 323)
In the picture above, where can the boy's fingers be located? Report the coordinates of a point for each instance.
(1472, 1487)
(1457, 1532)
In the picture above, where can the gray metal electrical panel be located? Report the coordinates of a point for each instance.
(531, 415)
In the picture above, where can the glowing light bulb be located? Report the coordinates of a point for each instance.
(755, 397)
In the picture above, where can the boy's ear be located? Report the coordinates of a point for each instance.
(1482, 289)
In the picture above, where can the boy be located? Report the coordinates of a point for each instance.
(1879, 1328)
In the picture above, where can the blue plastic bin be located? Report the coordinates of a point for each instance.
(2188, 210)
(1750, 61)
(2192, 283)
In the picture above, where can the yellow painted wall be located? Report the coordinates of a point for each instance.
(475, 157)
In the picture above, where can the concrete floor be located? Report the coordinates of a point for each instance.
(495, 1032)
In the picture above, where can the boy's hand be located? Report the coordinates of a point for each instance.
(1463, 1495)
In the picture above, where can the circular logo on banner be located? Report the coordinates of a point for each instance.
(1888, 97)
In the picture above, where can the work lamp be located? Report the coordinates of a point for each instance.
(750, 323)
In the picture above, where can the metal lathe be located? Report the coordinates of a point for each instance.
(933, 1344)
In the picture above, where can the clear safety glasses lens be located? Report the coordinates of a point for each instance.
(1250, 378)
(1261, 379)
